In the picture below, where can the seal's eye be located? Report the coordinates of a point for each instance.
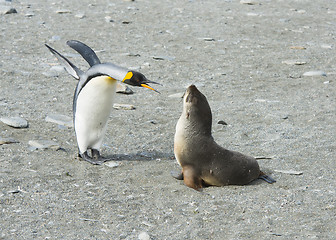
(189, 98)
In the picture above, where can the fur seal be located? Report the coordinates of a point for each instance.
(203, 161)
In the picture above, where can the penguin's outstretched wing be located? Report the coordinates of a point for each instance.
(69, 66)
(87, 53)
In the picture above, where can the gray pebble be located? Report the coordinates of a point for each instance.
(108, 19)
(326, 46)
(43, 144)
(16, 122)
(294, 62)
(131, 54)
(80, 15)
(222, 122)
(249, 2)
(7, 10)
(60, 119)
(7, 141)
(119, 106)
(144, 236)
(314, 73)
(30, 14)
(62, 11)
(122, 88)
(112, 164)
(164, 58)
(291, 172)
(207, 39)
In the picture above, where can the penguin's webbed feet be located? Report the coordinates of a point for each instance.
(96, 158)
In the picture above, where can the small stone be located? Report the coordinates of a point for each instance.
(294, 62)
(163, 58)
(132, 54)
(16, 122)
(108, 19)
(152, 121)
(122, 88)
(298, 47)
(63, 11)
(112, 164)
(7, 10)
(291, 172)
(119, 106)
(222, 122)
(43, 144)
(30, 14)
(60, 119)
(7, 141)
(248, 2)
(326, 46)
(208, 39)
(314, 73)
(80, 15)
(177, 95)
(144, 236)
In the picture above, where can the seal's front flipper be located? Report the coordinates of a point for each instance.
(93, 160)
(267, 178)
(191, 178)
(176, 174)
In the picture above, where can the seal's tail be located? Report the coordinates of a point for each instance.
(266, 178)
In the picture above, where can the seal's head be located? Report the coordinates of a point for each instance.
(196, 110)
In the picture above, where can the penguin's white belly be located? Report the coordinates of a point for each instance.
(93, 108)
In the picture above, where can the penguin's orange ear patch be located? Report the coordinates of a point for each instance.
(129, 75)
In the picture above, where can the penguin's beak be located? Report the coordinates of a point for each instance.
(149, 87)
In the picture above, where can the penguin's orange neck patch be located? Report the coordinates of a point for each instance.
(109, 79)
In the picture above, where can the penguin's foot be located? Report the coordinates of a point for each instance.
(96, 159)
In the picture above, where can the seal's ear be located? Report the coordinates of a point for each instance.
(69, 66)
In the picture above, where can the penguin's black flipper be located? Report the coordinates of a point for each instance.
(69, 66)
(267, 178)
(85, 51)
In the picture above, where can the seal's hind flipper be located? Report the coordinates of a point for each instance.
(267, 178)
(85, 51)
(177, 175)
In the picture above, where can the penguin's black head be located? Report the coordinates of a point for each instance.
(137, 79)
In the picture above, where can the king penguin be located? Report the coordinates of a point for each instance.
(94, 96)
